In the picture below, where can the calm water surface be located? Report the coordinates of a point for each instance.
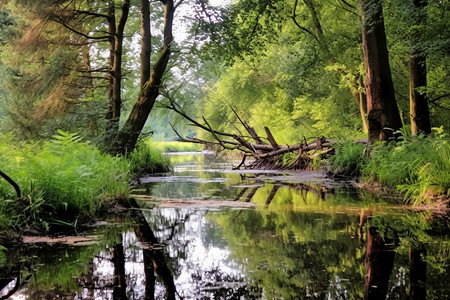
(207, 232)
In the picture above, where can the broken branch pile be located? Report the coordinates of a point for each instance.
(260, 152)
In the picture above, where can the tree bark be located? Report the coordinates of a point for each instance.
(115, 79)
(146, 43)
(383, 114)
(418, 102)
(111, 39)
(132, 128)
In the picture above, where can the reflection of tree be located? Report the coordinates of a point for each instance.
(118, 258)
(153, 254)
(291, 256)
(313, 254)
(215, 284)
(417, 273)
(379, 261)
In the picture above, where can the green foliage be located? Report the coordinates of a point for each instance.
(63, 180)
(349, 159)
(148, 159)
(418, 166)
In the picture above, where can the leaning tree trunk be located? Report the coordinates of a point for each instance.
(132, 128)
(383, 114)
(418, 101)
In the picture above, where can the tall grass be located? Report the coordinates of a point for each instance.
(419, 167)
(147, 158)
(63, 180)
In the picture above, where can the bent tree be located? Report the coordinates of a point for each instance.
(383, 114)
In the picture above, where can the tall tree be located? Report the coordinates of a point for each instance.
(116, 53)
(383, 114)
(419, 110)
(150, 90)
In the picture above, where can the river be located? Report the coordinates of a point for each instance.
(205, 231)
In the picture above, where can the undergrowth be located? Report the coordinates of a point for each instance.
(417, 166)
(147, 158)
(349, 159)
(63, 181)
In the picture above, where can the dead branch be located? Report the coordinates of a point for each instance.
(263, 155)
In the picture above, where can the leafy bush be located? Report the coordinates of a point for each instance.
(418, 166)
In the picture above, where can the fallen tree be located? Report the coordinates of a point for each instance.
(259, 152)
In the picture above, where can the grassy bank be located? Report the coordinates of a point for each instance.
(174, 146)
(64, 181)
(418, 167)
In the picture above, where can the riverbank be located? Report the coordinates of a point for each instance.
(418, 168)
(65, 181)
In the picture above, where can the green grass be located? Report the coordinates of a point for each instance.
(148, 158)
(63, 181)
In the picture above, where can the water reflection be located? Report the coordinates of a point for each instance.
(301, 241)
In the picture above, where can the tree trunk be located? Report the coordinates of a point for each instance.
(111, 37)
(146, 43)
(354, 84)
(383, 114)
(319, 31)
(115, 80)
(132, 128)
(418, 102)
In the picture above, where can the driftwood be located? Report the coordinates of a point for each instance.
(264, 151)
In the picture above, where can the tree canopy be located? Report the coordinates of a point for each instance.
(99, 67)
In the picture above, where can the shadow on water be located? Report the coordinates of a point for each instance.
(300, 239)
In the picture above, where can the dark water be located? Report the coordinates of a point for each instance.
(307, 238)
